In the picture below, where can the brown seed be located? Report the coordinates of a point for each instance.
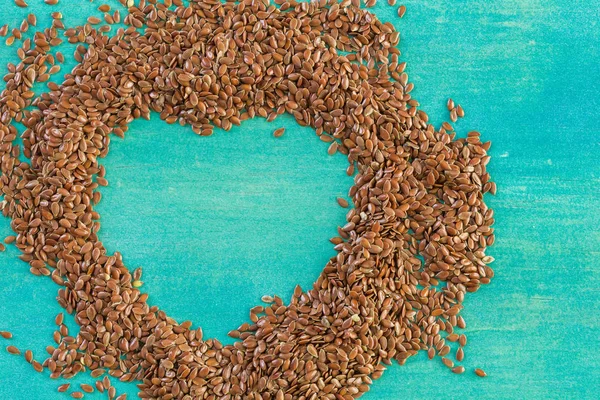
(392, 2)
(87, 388)
(267, 299)
(37, 366)
(28, 356)
(32, 19)
(21, 3)
(104, 8)
(458, 370)
(10, 40)
(331, 150)
(447, 362)
(9, 239)
(462, 340)
(4, 30)
(431, 353)
(97, 372)
(77, 395)
(480, 372)
(453, 116)
(342, 202)
(13, 350)
(51, 2)
(279, 132)
(64, 387)
(460, 354)
(401, 11)
(2, 247)
(460, 112)
(93, 20)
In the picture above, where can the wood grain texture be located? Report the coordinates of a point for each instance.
(218, 222)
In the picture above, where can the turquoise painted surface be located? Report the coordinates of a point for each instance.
(527, 74)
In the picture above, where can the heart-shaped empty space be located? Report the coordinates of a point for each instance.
(217, 222)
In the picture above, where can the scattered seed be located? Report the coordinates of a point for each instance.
(342, 202)
(64, 387)
(87, 388)
(460, 354)
(104, 8)
(21, 3)
(137, 284)
(6, 335)
(453, 116)
(267, 299)
(480, 372)
(28, 356)
(279, 132)
(10, 40)
(32, 19)
(51, 2)
(37, 366)
(458, 370)
(401, 11)
(77, 395)
(13, 350)
(447, 362)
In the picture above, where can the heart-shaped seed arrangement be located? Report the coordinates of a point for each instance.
(413, 246)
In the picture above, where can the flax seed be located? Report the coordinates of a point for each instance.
(379, 298)
(279, 132)
(401, 11)
(342, 202)
(87, 388)
(64, 387)
(458, 370)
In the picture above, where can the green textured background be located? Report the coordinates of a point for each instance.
(218, 222)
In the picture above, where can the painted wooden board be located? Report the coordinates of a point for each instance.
(218, 222)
